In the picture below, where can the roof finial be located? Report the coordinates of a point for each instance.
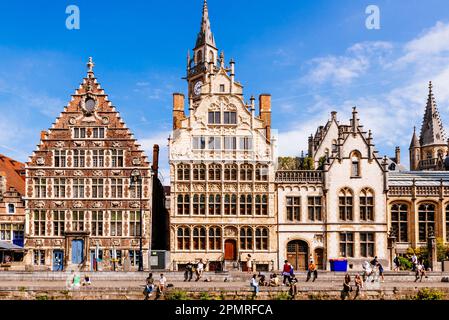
(90, 66)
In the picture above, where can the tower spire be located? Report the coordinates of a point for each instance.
(432, 131)
(205, 36)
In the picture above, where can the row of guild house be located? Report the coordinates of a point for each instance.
(89, 197)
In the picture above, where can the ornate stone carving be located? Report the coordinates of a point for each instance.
(57, 242)
(115, 242)
(134, 204)
(105, 120)
(230, 232)
(72, 120)
(97, 205)
(98, 173)
(214, 187)
(59, 144)
(116, 144)
(39, 204)
(78, 204)
(116, 204)
(78, 173)
(40, 161)
(136, 161)
(59, 172)
(40, 173)
(199, 187)
(116, 172)
(79, 143)
(230, 187)
(59, 204)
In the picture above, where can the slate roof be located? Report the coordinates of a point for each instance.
(422, 178)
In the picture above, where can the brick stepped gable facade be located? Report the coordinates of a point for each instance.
(78, 190)
(221, 167)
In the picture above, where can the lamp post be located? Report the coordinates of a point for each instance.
(136, 178)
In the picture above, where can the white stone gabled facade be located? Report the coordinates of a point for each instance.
(221, 168)
(338, 210)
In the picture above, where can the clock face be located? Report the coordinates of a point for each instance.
(90, 105)
(197, 88)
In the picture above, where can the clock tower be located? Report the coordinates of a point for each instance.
(205, 57)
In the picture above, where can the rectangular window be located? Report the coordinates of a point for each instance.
(78, 188)
(78, 221)
(117, 158)
(293, 208)
(230, 143)
(79, 133)
(40, 187)
(97, 223)
(222, 88)
(116, 223)
(58, 223)
(314, 208)
(60, 158)
(134, 257)
(116, 188)
(39, 223)
(214, 143)
(246, 143)
(98, 133)
(59, 187)
(346, 244)
(134, 224)
(79, 158)
(367, 244)
(98, 158)
(97, 188)
(5, 232)
(199, 143)
(39, 257)
(214, 117)
(230, 117)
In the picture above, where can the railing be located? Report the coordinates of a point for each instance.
(400, 191)
(302, 176)
(419, 191)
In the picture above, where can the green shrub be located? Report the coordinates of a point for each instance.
(22, 289)
(429, 294)
(177, 295)
(42, 297)
(205, 296)
(406, 264)
(282, 296)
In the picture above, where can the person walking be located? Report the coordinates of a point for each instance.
(381, 271)
(312, 271)
(286, 272)
(358, 282)
(396, 262)
(414, 262)
(345, 293)
(255, 285)
(149, 286)
(162, 282)
(188, 273)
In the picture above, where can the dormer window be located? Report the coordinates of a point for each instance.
(79, 133)
(98, 133)
(222, 88)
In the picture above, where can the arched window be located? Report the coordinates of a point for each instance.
(214, 238)
(246, 205)
(246, 238)
(355, 164)
(215, 172)
(230, 172)
(440, 154)
(211, 56)
(214, 204)
(199, 56)
(246, 172)
(426, 220)
(261, 239)
(183, 237)
(399, 221)
(199, 238)
(345, 204)
(199, 204)
(230, 204)
(367, 205)
(183, 204)
(199, 172)
(183, 172)
(11, 208)
(261, 205)
(261, 172)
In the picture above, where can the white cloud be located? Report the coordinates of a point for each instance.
(161, 139)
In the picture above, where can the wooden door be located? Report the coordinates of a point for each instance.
(297, 254)
(319, 256)
(230, 250)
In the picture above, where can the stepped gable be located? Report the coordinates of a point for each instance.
(89, 107)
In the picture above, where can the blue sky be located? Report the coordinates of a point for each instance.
(312, 56)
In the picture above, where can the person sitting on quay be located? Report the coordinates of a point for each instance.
(345, 293)
(87, 281)
(293, 287)
(274, 280)
(188, 273)
(312, 271)
(199, 270)
(255, 285)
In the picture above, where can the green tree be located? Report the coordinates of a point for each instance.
(307, 163)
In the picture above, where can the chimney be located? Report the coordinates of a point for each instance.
(334, 115)
(398, 155)
(265, 113)
(155, 165)
(43, 134)
(178, 110)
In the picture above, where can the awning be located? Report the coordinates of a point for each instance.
(5, 245)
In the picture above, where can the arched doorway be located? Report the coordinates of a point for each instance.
(297, 254)
(319, 257)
